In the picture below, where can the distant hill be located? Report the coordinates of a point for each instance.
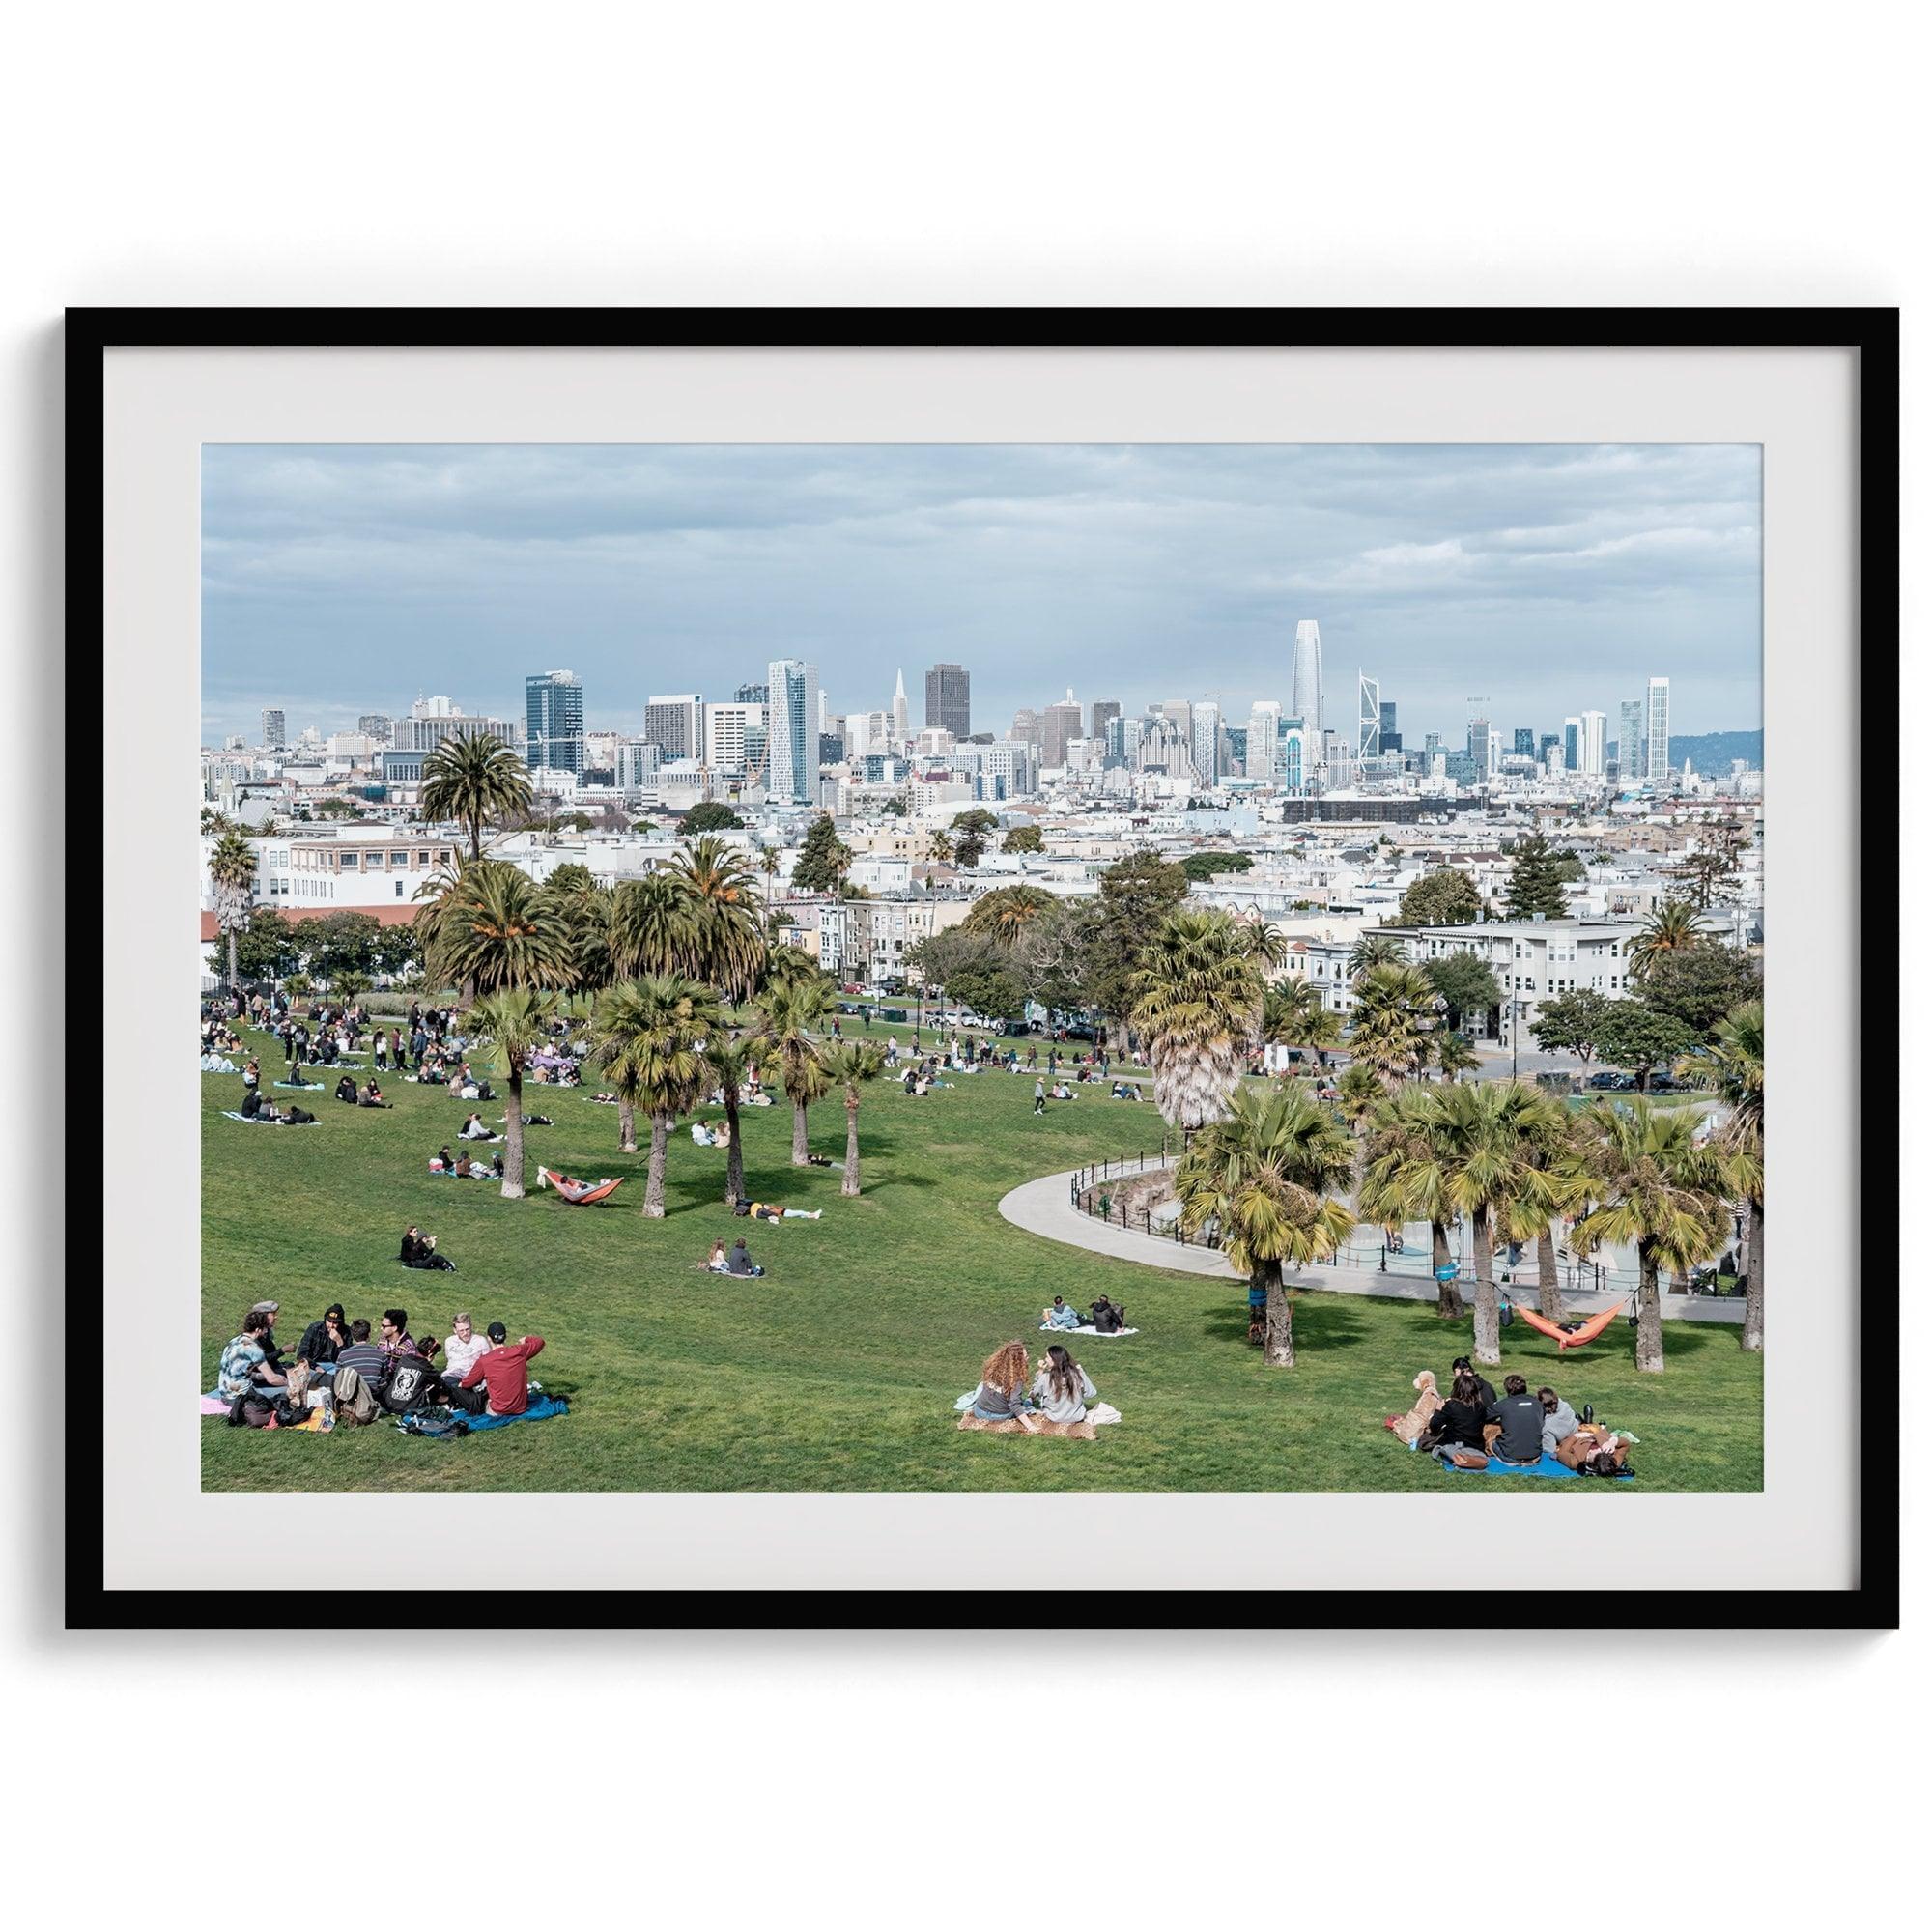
(1712, 752)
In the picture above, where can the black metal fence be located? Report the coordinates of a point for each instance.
(1093, 1191)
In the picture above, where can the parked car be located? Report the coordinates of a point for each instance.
(1611, 1082)
(1668, 1083)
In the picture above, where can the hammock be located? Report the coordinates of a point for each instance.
(578, 1193)
(1564, 1337)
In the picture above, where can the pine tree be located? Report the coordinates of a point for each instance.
(1535, 886)
(823, 859)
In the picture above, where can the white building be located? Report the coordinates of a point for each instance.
(1594, 748)
(1264, 759)
(675, 725)
(731, 730)
(1307, 693)
(1657, 713)
(793, 730)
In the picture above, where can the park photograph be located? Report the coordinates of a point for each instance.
(888, 1019)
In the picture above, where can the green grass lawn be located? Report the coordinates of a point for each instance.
(838, 1370)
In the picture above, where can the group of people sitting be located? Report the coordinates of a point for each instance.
(371, 1095)
(1014, 1398)
(1472, 1424)
(1104, 1317)
(464, 1168)
(737, 1261)
(714, 1136)
(255, 1108)
(340, 1372)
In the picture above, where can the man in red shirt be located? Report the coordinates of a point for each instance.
(505, 1371)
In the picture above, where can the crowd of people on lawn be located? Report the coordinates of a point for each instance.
(1472, 1427)
(344, 1372)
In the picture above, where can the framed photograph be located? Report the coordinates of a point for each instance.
(850, 964)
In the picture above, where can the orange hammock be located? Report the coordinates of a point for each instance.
(578, 1193)
(1563, 1337)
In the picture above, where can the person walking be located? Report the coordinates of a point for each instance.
(1039, 1097)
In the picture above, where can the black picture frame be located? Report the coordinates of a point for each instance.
(1872, 333)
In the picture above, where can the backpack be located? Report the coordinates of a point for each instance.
(411, 1385)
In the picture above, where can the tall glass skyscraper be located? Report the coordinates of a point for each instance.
(554, 720)
(1629, 741)
(1656, 706)
(1307, 693)
(793, 744)
(1206, 745)
(1368, 716)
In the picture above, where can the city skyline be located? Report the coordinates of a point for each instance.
(1549, 581)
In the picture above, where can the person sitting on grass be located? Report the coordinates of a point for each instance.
(1002, 1395)
(1062, 1388)
(324, 1340)
(345, 1089)
(463, 1350)
(718, 1263)
(372, 1097)
(1519, 1421)
(474, 1129)
(1462, 1366)
(1059, 1316)
(503, 1371)
(245, 1368)
(740, 1261)
(419, 1251)
(1459, 1423)
(443, 1163)
(362, 1354)
(1109, 1317)
(1559, 1420)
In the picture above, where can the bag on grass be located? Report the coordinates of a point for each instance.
(355, 1400)
(1469, 1459)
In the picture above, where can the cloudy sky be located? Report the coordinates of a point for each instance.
(1542, 580)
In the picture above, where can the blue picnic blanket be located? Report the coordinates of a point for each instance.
(1548, 1465)
(542, 1407)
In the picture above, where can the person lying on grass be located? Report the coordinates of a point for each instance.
(770, 1211)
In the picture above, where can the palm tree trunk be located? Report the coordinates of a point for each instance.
(1278, 1328)
(654, 1175)
(627, 1127)
(513, 1135)
(1549, 1302)
(734, 1155)
(850, 1184)
(1649, 1313)
(800, 1156)
(233, 970)
(1448, 1297)
(1751, 1335)
(1489, 1349)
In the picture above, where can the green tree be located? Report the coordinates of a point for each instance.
(1465, 985)
(1405, 1178)
(1710, 871)
(1732, 1067)
(1266, 944)
(342, 945)
(651, 927)
(1201, 866)
(1292, 1014)
(1395, 1013)
(732, 1060)
(1454, 1055)
(792, 1018)
(1534, 886)
(1674, 926)
(791, 966)
(514, 1023)
(1361, 1093)
(1023, 838)
(823, 859)
(1136, 894)
(849, 1064)
(495, 931)
(1198, 1006)
(1374, 948)
(582, 911)
(1630, 1034)
(231, 872)
(653, 1033)
(974, 828)
(894, 807)
(1569, 1022)
(709, 815)
(475, 781)
(939, 850)
(1657, 1189)
(1268, 1174)
(1442, 898)
(726, 943)
(1005, 914)
(270, 947)
(1700, 985)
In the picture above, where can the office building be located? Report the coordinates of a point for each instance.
(1545, 744)
(425, 731)
(1105, 710)
(1629, 741)
(1368, 717)
(1026, 725)
(1291, 770)
(1391, 737)
(948, 700)
(752, 693)
(1593, 744)
(274, 730)
(1572, 744)
(1060, 724)
(553, 722)
(675, 725)
(728, 733)
(1525, 742)
(792, 724)
(1204, 743)
(1657, 754)
(1307, 694)
(637, 767)
(376, 727)
(1492, 754)
(1264, 758)
(1478, 744)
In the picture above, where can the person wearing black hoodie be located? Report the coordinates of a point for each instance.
(1459, 1423)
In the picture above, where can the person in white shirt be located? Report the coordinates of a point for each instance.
(463, 1350)
(1062, 1388)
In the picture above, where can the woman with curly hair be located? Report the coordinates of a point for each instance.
(1002, 1394)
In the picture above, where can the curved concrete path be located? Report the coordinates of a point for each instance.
(1045, 1208)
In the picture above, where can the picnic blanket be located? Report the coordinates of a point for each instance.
(258, 1122)
(303, 1086)
(541, 1408)
(1105, 1334)
(1548, 1465)
(211, 1403)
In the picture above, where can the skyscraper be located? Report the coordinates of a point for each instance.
(1264, 759)
(728, 731)
(1593, 744)
(1060, 723)
(948, 700)
(1657, 704)
(1391, 736)
(1026, 725)
(793, 741)
(274, 730)
(1204, 745)
(1629, 741)
(902, 715)
(1307, 694)
(1525, 741)
(1368, 716)
(553, 722)
(675, 725)
(1293, 764)
(1479, 743)
(1105, 710)
(1572, 744)
(378, 725)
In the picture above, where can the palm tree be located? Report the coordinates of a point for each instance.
(1372, 949)
(939, 850)
(231, 872)
(1672, 927)
(1405, 1178)
(727, 939)
(791, 1012)
(1266, 1173)
(1292, 1014)
(732, 1060)
(1362, 1092)
(849, 1064)
(1554, 1149)
(1656, 1187)
(651, 926)
(1488, 1133)
(1007, 913)
(1395, 1013)
(1454, 1053)
(493, 929)
(1197, 1005)
(515, 1022)
(473, 781)
(1266, 942)
(653, 1033)
(1732, 1067)
(584, 912)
